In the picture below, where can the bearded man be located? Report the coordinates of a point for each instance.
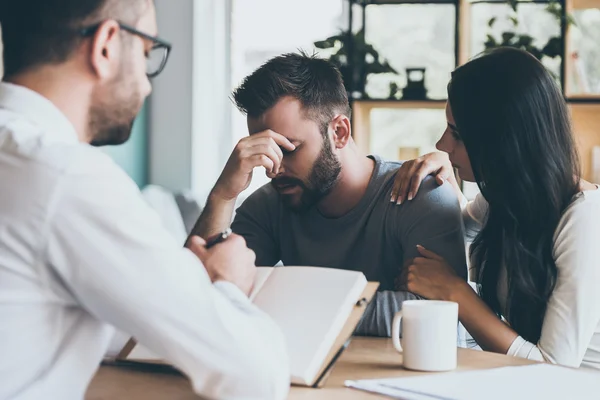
(327, 203)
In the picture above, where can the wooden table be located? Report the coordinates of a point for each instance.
(365, 358)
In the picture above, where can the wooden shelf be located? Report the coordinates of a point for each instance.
(361, 115)
(583, 4)
(585, 108)
(503, 2)
(593, 98)
(399, 2)
(399, 104)
(586, 128)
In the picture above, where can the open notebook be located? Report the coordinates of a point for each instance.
(316, 308)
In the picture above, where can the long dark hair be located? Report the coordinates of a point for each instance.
(516, 129)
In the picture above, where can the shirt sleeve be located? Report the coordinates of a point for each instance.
(377, 318)
(433, 220)
(474, 214)
(255, 220)
(112, 253)
(573, 311)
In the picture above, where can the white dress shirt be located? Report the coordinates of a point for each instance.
(81, 253)
(571, 328)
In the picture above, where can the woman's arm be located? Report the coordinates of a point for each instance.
(431, 277)
(572, 319)
(489, 331)
(573, 314)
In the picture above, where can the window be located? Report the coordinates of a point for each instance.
(532, 18)
(584, 52)
(411, 36)
(404, 134)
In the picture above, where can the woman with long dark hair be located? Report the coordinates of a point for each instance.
(535, 255)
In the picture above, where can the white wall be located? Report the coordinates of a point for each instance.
(170, 106)
(189, 111)
(211, 105)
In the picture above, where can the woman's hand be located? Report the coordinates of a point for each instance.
(431, 277)
(412, 172)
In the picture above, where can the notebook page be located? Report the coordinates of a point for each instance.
(537, 381)
(262, 274)
(142, 353)
(311, 306)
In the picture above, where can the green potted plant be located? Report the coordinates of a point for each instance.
(363, 55)
(552, 48)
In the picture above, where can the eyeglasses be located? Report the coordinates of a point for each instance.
(156, 58)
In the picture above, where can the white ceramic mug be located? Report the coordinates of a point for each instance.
(429, 330)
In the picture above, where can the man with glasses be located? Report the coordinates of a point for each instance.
(80, 251)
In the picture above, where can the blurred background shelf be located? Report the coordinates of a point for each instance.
(384, 38)
(189, 126)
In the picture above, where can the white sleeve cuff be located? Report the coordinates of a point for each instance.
(523, 349)
(232, 292)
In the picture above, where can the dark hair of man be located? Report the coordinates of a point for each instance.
(315, 83)
(39, 32)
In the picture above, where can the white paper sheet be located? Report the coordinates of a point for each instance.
(538, 381)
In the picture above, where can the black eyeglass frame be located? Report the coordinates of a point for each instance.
(158, 43)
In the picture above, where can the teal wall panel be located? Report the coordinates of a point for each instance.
(132, 156)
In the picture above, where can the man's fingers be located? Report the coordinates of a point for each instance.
(198, 246)
(279, 139)
(277, 150)
(259, 160)
(270, 152)
(284, 142)
(198, 241)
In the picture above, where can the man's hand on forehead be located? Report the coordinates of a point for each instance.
(265, 148)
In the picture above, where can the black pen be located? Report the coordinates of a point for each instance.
(218, 238)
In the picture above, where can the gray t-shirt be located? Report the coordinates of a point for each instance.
(376, 237)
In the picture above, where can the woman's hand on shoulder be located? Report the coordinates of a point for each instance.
(412, 172)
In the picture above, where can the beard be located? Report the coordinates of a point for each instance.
(323, 176)
(114, 108)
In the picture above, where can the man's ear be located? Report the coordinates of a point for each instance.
(105, 50)
(342, 131)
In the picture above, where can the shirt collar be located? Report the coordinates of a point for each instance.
(39, 110)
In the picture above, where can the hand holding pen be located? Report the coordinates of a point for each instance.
(221, 237)
(231, 261)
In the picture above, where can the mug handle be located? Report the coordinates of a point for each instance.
(396, 331)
